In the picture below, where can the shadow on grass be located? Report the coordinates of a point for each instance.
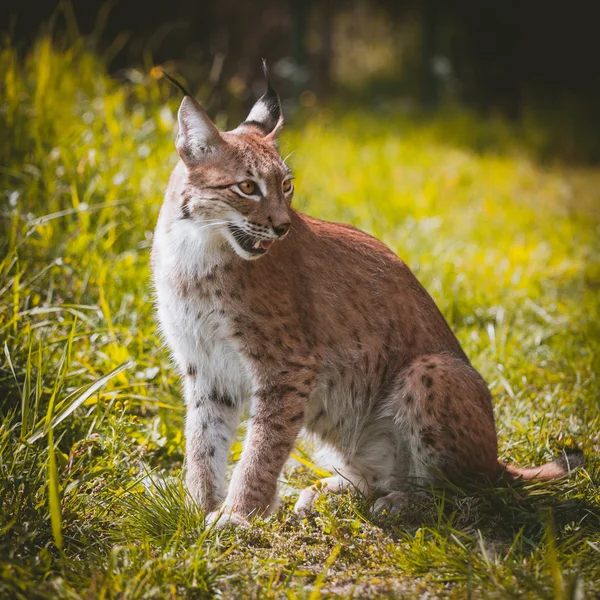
(502, 514)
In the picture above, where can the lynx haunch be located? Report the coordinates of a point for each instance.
(312, 325)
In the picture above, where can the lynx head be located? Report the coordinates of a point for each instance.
(236, 182)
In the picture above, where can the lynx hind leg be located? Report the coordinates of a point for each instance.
(444, 408)
(368, 463)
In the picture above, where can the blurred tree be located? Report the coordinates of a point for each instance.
(524, 59)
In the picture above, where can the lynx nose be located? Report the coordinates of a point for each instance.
(282, 229)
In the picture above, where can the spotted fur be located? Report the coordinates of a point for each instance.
(321, 327)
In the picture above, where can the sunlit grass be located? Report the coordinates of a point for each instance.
(91, 443)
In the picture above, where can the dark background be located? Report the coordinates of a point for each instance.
(520, 59)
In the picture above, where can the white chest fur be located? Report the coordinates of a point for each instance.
(196, 327)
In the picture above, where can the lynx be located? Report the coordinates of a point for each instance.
(311, 325)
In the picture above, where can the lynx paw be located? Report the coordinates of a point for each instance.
(393, 503)
(306, 499)
(330, 485)
(219, 519)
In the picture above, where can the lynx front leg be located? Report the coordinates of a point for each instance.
(278, 417)
(211, 422)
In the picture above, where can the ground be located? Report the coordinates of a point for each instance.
(91, 446)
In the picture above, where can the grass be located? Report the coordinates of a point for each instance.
(91, 442)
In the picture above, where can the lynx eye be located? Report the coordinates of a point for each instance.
(248, 187)
(287, 186)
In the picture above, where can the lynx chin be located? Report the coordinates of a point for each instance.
(310, 325)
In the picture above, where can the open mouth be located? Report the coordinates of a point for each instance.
(248, 243)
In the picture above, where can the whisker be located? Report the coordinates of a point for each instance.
(204, 227)
(290, 154)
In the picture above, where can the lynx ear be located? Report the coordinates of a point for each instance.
(198, 135)
(266, 114)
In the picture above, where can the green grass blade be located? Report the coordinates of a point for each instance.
(26, 391)
(53, 489)
(78, 399)
(53, 481)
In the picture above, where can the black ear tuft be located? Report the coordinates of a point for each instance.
(176, 84)
(266, 113)
(570, 459)
(270, 88)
